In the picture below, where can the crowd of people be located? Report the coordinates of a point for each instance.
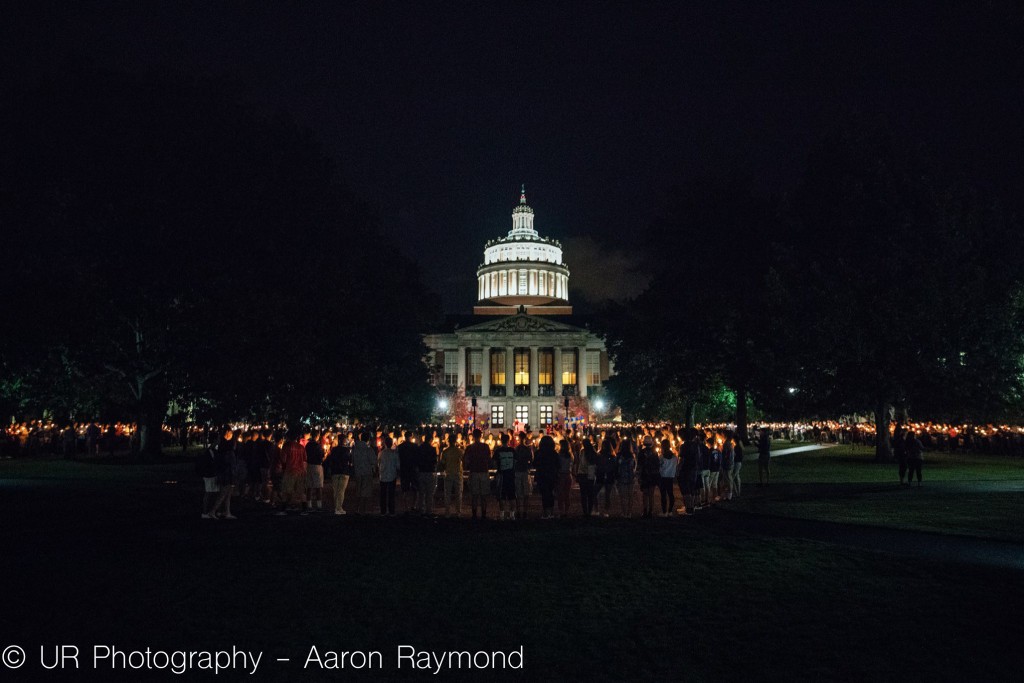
(421, 471)
(33, 438)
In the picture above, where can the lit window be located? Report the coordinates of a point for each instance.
(497, 368)
(569, 367)
(545, 367)
(593, 368)
(547, 415)
(523, 414)
(522, 360)
(497, 416)
(451, 368)
(476, 362)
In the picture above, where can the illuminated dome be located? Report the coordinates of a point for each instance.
(523, 268)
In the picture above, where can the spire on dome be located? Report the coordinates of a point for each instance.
(522, 196)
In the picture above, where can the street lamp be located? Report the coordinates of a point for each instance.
(473, 403)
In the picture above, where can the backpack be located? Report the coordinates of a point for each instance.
(652, 465)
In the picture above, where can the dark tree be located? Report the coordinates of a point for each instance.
(170, 241)
(906, 292)
(708, 317)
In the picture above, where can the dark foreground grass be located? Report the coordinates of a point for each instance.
(964, 494)
(104, 554)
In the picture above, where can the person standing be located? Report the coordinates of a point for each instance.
(704, 463)
(226, 457)
(92, 439)
(915, 457)
(364, 466)
(586, 476)
(667, 483)
(504, 464)
(407, 471)
(206, 467)
(688, 469)
(426, 464)
(602, 480)
(715, 465)
(452, 460)
(292, 466)
(565, 468)
(254, 483)
(478, 460)
(728, 462)
(522, 464)
(546, 462)
(243, 456)
(388, 463)
(314, 472)
(899, 450)
(339, 462)
(69, 440)
(625, 476)
(650, 474)
(764, 457)
(737, 465)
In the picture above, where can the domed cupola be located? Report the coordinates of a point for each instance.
(523, 269)
(522, 220)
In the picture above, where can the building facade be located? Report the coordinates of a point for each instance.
(522, 356)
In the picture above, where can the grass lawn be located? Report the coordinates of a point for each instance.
(109, 553)
(965, 494)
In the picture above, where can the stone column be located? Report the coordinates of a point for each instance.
(534, 371)
(510, 375)
(485, 371)
(581, 371)
(462, 366)
(558, 370)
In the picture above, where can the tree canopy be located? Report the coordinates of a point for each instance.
(878, 284)
(166, 240)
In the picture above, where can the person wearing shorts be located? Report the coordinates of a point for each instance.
(478, 460)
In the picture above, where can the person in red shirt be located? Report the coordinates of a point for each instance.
(292, 465)
(478, 460)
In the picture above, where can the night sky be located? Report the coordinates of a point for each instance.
(436, 112)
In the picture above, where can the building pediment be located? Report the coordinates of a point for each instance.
(522, 322)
